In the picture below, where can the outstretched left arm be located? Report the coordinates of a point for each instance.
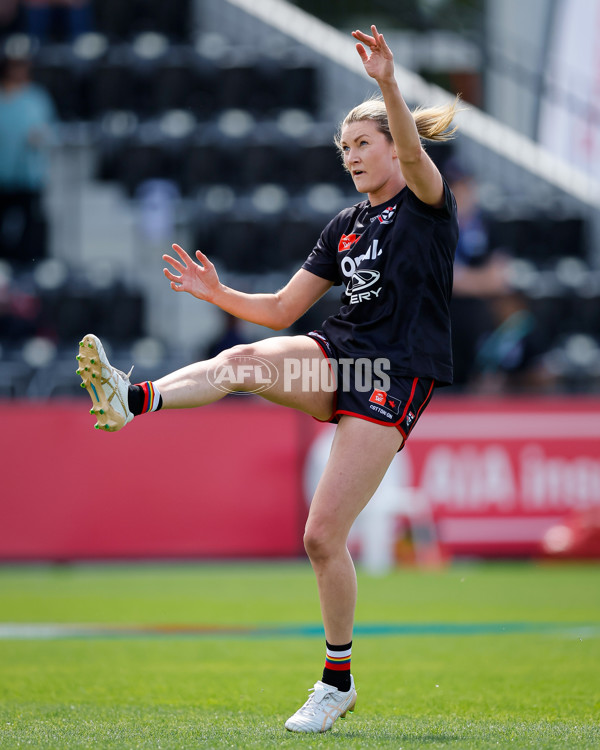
(420, 173)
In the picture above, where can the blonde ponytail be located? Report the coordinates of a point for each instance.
(432, 123)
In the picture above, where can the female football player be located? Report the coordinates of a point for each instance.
(393, 255)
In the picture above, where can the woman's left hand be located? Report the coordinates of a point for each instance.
(380, 63)
(198, 279)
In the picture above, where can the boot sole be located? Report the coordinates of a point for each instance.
(90, 371)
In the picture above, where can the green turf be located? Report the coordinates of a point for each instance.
(536, 689)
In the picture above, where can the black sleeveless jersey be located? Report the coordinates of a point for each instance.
(396, 262)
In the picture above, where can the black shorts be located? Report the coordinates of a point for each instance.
(400, 405)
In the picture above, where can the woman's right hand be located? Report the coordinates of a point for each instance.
(380, 63)
(198, 279)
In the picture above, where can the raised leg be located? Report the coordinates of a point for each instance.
(287, 356)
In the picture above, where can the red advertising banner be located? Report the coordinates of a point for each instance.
(216, 482)
(499, 474)
(228, 480)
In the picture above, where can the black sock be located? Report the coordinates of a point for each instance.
(337, 666)
(137, 397)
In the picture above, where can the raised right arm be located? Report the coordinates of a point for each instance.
(276, 311)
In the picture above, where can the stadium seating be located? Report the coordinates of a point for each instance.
(56, 69)
(121, 20)
(540, 237)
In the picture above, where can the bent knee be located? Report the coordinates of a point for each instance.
(239, 368)
(321, 542)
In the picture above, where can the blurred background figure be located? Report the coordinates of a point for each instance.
(27, 115)
(496, 345)
(480, 275)
(510, 356)
(57, 20)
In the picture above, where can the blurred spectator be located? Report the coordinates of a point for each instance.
(480, 275)
(509, 358)
(496, 344)
(26, 117)
(57, 20)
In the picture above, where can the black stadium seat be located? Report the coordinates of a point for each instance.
(539, 238)
(172, 17)
(298, 86)
(238, 85)
(122, 19)
(296, 238)
(321, 162)
(115, 18)
(262, 162)
(54, 68)
(240, 243)
(110, 84)
(206, 161)
(141, 161)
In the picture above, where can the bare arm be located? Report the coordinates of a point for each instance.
(420, 173)
(276, 311)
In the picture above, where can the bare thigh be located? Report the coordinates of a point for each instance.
(361, 453)
(300, 365)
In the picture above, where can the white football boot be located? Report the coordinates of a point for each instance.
(107, 386)
(324, 705)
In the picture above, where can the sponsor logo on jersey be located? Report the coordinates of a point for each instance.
(349, 265)
(359, 287)
(347, 241)
(409, 418)
(363, 280)
(387, 216)
(386, 400)
(393, 404)
(378, 397)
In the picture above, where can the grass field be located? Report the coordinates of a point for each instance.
(218, 656)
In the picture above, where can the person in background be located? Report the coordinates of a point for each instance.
(508, 358)
(480, 275)
(496, 341)
(27, 116)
